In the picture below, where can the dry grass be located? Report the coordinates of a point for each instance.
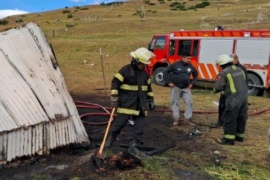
(118, 30)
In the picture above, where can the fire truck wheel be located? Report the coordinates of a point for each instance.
(253, 80)
(158, 76)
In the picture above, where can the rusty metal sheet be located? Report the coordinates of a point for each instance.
(37, 113)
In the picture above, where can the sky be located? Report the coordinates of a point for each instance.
(14, 7)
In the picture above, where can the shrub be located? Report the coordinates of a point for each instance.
(19, 20)
(202, 5)
(66, 11)
(146, 1)
(174, 4)
(70, 25)
(180, 6)
(111, 3)
(84, 8)
(177, 6)
(3, 22)
(69, 16)
(192, 7)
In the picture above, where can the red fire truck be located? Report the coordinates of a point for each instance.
(251, 46)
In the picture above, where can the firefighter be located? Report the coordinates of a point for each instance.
(132, 95)
(232, 81)
(221, 106)
(177, 76)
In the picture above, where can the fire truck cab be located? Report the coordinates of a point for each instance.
(251, 46)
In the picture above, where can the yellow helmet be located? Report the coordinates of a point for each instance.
(143, 55)
(223, 59)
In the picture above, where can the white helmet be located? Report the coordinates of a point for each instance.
(143, 55)
(223, 59)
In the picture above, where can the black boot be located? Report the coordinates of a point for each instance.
(109, 141)
(224, 141)
(240, 139)
(133, 149)
(218, 124)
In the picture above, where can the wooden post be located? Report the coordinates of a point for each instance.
(100, 52)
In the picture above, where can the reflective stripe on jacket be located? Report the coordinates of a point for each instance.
(231, 80)
(133, 87)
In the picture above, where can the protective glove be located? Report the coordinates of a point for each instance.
(151, 104)
(114, 101)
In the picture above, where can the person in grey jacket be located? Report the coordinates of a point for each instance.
(178, 77)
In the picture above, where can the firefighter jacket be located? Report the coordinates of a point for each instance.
(231, 80)
(244, 69)
(179, 74)
(133, 88)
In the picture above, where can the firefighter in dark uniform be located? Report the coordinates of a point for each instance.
(221, 106)
(232, 81)
(132, 95)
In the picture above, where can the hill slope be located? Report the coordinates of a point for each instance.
(118, 29)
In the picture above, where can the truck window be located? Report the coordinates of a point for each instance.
(160, 42)
(184, 46)
(152, 44)
(195, 48)
(172, 47)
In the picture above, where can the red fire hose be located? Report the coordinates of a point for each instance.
(80, 104)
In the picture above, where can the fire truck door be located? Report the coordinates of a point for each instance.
(158, 46)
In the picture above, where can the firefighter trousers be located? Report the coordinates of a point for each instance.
(137, 128)
(221, 107)
(175, 95)
(235, 116)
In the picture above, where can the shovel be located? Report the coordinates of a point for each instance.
(99, 155)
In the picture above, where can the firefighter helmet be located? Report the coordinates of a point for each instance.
(143, 55)
(223, 59)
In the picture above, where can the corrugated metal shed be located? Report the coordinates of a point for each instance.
(37, 113)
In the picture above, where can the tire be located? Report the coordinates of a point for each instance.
(253, 80)
(158, 76)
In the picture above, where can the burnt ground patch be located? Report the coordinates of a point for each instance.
(188, 150)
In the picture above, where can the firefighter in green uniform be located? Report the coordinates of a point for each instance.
(232, 81)
(132, 95)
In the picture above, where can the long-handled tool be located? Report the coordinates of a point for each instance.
(99, 155)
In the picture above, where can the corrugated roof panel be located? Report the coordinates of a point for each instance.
(6, 120)
(36, 74)
(24, 142)
(11, 145)
(18, 98)
(3, 145)
(37, 113)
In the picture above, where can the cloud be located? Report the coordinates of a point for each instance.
(10, 12)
